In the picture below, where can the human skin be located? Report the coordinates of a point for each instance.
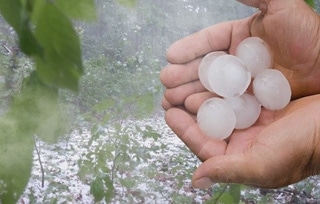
(261, 4)
(283, 147)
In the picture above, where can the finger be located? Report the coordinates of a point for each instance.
(261, 4)
(177, 96)
(252, 3)
(216, 37)
(235, 168)
(188, 131)
(176, 74)
(268, 161)
(165, 104)
(261, 168)
(194, 101)
(250, 168)
(222, 36)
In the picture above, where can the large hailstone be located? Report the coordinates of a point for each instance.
(254, 52)
(216, 118)
(228, 76)
(204, 67)
(247, 110)
(272, 89)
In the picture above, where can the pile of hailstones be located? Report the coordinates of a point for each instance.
(229, 77)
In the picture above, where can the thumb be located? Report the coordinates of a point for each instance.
(261, 4)
(236, 168)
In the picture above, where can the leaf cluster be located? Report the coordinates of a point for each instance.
(105, 163)
(46, 35)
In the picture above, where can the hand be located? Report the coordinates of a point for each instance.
(271, 153)
(291, 29)
(283, 147)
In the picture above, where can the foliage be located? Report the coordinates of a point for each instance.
(161, 175)
(48, 43)
(115, 160)
(122, 150)
(45, 34)
(55, 33)
(34, 111)
(311, 3)
(227, 193)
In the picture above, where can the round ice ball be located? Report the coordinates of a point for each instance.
(254, 52)
(204, 67)
(216, 118)
(272, 89)
(228, 76)
(247, 110)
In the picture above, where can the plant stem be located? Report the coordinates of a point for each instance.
(40, 162)
(114, 166)
(215, 201)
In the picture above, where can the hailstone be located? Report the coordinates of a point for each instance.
(228, 76)
(204, 67)
(272, 89)
(247, 110)
(216, 118)
(255, 53)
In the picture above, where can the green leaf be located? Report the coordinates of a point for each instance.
(109, 194)
(145, 104)
(55, 46)
(16, 148)
(37, 110)
(235, 191)
(34, 111)
(28, 43)
(97, 189)
(152, 135)
(106, 118)
(37, 7)
(11, 10)
(104, 105)
(230, 194)
(78, 9)
(16, 15)
(61, 64)
(311, 3)
(128, 183)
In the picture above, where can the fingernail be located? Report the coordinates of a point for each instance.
(203, 183)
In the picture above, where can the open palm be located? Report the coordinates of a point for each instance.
(278, 150)
(281, 148)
